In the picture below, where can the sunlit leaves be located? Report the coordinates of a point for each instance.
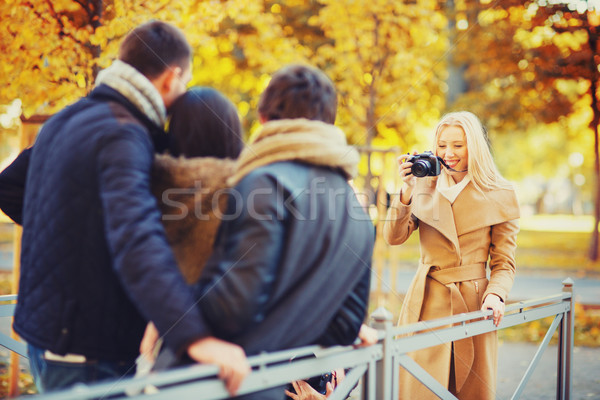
(384, 57)
(52, 50)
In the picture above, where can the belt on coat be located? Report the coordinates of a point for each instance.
(464, 351)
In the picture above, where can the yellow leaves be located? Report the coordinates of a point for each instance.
(491, 15)
(388, 49)
(379, 50)
(81, 81)
(534, 38)
(275, 8)
(570, 41)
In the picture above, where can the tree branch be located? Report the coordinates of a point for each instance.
(60, 23)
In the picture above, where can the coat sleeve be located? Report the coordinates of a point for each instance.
(238, 279)
(346, 323)
(399, 222)
(142, 258)
(12, 186)
(502, 258)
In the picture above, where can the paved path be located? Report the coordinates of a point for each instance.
(514, 358)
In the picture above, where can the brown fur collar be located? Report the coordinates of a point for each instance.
(191, 197)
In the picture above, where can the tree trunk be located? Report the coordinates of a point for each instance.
(593, 41)
(96, 22)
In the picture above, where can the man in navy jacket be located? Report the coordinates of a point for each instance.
(96, 265)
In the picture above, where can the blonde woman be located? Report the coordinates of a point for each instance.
(467, 221)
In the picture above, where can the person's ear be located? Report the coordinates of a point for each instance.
(165, 83)
(261, 118)
(171, 75)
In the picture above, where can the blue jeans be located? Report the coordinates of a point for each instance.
(52, 375)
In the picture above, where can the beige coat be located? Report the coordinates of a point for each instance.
(477, 228)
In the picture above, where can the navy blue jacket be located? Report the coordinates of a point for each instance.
(95, 263)
(12, 187)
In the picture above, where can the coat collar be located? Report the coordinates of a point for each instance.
(472, 210)
(159, 137)
(430, 207)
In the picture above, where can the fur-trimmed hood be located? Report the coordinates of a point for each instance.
(192, 197)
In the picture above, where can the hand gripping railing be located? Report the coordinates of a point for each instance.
(375, 368)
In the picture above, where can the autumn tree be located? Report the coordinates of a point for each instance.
(387, 67)
(387, 60)
(238, 44)
(531, 62)
(52, 50)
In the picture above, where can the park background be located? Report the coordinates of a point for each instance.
(529, 69)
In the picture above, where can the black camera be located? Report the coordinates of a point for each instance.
(425, 164)
(319, 383)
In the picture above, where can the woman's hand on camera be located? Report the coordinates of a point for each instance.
(494, 302)
(404, 169)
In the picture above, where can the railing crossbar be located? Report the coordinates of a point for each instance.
(352, 378)
(7, 310)
(423, 376)
(537, 302)
(192, 379)
(536, 358)
(465, 317)
(432, 338)
(14, 345)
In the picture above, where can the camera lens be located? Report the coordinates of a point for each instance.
(420, 168)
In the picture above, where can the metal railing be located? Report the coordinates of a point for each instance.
(375, 368)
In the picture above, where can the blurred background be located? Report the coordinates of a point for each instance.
(529, 69)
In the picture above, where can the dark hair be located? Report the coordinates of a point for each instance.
(152, 47)
(299, 91)
(204, 123)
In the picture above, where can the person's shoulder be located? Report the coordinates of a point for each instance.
(285, 175)
(502, 198)
(275, 169)
(503, 191)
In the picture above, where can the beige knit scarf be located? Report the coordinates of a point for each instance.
(138, 89)
(313, 142)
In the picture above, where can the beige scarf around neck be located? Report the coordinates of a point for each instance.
(450, 189)
(138, 89)
(310, 141)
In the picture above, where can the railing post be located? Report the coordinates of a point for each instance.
(382, 320)
(565, 346)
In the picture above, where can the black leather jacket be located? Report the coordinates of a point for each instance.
(291, 262)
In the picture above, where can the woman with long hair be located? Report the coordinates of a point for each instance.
(467, 221)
